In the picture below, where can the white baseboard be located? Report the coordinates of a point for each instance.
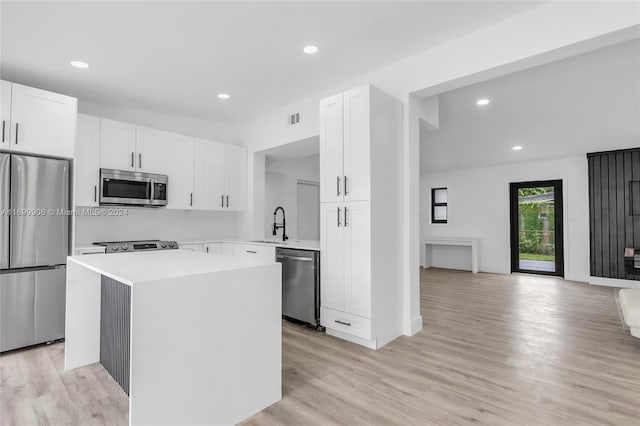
(614, 282)
(415, 326)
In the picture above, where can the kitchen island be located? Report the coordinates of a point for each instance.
(192, 338)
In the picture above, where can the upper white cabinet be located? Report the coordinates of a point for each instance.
(87, 164)
(152, 151)
(209, 176)
(235, 177)
(220, 176)
(117, 145)
(360, 218)
(180, 171)
(5, 113)
(345, 123)
(38, 122)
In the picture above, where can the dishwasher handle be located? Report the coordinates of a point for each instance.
(298, 258)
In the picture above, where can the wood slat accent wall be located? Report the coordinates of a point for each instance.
(115, 329)
(614, 224)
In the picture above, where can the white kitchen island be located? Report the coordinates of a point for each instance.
(194, 338)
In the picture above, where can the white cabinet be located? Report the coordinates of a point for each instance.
(117, 145)
(213, 248)
(5, 114)
(220, 176)
(235, 177)
(87, 161)
(345, 160)
(264, 253)
(209, 176)
(38, 122)
(197, 247)
(360, 216)
(152, 151)
(180, 171)
(125, 146)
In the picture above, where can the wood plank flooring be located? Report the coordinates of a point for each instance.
(495, 350)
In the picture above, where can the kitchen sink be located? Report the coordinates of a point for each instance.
(267, 242)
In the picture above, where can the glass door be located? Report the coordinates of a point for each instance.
(536, 228)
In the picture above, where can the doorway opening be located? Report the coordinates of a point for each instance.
(308, 210)
(536, 227)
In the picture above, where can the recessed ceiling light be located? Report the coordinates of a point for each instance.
(79, 64)
(223, 96)
(482, 102)
(517, 148)
(310, 49)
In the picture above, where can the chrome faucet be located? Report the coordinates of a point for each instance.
(282, 225)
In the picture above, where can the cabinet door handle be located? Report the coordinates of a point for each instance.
(251, 251)
(338, 216)
(4, 124)
(132, 165)
(222, 201)
(139, 160)
(227, 201)
(348, 324)
(207, 249)
(345, 217)
(95, 192)
(345, 186)
(191, 199)
(338, 185)
(17, 133)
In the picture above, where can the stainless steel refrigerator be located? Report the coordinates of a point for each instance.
(34, 242)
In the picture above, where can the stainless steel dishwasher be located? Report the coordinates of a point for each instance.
(300, 285)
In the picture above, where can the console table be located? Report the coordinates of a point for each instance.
(474, 243)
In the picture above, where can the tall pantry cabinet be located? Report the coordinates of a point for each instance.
(360, 218)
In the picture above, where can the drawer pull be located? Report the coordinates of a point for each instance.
(348, 324)
(251, 251)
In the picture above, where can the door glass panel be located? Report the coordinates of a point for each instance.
(440, 213)
(115, 188)
(536, 229)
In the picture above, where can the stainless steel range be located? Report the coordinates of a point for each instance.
(132, 246)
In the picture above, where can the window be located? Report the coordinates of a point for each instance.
(438, 205)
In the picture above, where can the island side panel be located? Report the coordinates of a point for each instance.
(206, 349)
(82, 317)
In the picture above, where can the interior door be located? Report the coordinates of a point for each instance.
(308, 211)
(235, 163)
(5, 114)
(332, 256)
(331, 149)
(152, 153)
(42, 122)
(87, 164)
(357, 153)
(180, 172)
(209, 176)
(537, 228)
(40, 186)
(357, 258)
(117, 145)
(5, 204)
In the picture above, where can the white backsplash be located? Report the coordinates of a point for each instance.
(148, 224)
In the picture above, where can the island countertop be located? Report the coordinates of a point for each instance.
(130, 268)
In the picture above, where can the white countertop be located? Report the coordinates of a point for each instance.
(293, 244)
(130, 268)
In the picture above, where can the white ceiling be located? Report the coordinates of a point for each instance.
(174, 57)
(586, 103)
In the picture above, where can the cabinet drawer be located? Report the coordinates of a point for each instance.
(346, 323)
(263, 252)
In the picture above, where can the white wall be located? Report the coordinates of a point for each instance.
(152, 224)
(281, 189)
(195, 127)
(478, 206)
(549, 32)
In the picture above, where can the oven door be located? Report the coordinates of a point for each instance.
(120, 187)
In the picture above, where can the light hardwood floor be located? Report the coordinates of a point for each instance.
(495, 350)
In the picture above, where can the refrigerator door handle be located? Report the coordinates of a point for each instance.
(5, 161)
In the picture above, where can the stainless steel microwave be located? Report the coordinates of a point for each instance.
(125, 188)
